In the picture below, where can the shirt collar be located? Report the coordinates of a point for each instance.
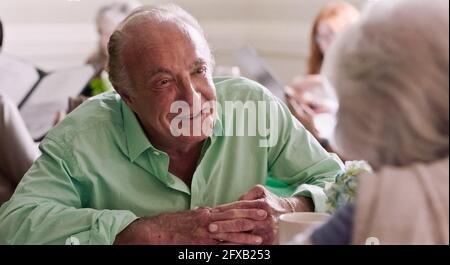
(218, 126)
(137, 141)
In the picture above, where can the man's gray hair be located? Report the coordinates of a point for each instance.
(390, 72)
(118, 74)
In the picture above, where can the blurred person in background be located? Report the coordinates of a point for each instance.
(17, 149)
(107, 19)
(306, 93)
(393, 92)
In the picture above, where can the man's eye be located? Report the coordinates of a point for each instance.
(163, 83)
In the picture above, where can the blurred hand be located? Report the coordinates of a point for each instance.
(304, 114)
(308, 90)
(59, 116)
(73, 102)
(306, 98)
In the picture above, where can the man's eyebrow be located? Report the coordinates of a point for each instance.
(199, 62)
(151, 73)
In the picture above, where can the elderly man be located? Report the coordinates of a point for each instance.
(116, 171)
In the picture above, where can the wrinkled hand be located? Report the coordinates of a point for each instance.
(257, 198)
(191, 227)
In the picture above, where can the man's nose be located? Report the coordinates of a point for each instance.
(189, 93)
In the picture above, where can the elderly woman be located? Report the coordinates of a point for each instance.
(390, 73)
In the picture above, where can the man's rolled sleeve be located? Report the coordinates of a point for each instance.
(316, 193)
(106, 226)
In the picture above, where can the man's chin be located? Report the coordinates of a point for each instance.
(191, 139)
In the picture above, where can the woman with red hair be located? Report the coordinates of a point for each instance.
(306, 97)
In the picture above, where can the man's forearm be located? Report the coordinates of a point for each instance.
(142, 231)
(186, 227)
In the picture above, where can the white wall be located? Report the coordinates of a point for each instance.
(59, 33)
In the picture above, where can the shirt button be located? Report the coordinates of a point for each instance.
(72, 241)
(156, 153)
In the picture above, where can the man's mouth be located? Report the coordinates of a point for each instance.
(194, 116)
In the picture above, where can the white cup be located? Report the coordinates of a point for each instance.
(291, 224)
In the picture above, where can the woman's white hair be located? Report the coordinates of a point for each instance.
(118, 74)
(390, 72)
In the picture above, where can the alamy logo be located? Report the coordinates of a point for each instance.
(249, 118)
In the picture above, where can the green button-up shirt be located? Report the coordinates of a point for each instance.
(98, 172)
